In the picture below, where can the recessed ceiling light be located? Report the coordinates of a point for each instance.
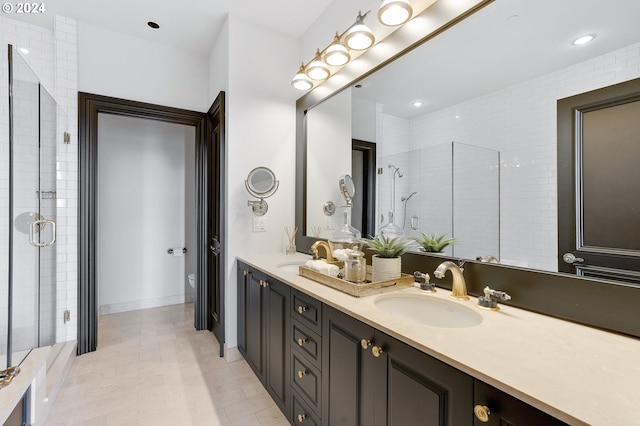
(153, 25)
(24, 50)
(583, 39)
(417, 104)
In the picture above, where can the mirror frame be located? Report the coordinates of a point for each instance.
(583, 300)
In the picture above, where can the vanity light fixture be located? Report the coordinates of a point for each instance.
(359, 36)
(301, 81)
(317, 70)
(394, 12)
(583, 39)
(336, 54)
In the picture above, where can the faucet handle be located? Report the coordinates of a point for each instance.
(490, 299)
(423, 280)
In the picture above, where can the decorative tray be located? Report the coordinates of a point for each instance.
(358, 290)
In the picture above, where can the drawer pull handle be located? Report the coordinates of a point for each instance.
(301, 341)
(245, 273)
(376, 351)
(302, 418)
(302, 373)
(482, 413)
(264, 283)
(302, 309)
(365, 343)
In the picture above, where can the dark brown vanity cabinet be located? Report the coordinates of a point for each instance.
(496, 408)
(324, 367)
(374, 379)
(263, 330)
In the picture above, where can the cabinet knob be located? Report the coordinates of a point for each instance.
(482, 413)
(376, 351)
(301, 418)
(302, 373)
(301, 341)
(245, 273)
(365, 343)
(302, 309)
(266, 284)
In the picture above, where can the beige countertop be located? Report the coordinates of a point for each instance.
(581, 375)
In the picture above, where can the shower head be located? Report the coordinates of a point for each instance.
(396, 170)
(408, 197)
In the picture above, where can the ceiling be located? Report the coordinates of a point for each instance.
(192, 25)
(505, 43)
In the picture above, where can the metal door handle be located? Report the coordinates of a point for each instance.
(570, 258)
(215, 246)
(36, 226)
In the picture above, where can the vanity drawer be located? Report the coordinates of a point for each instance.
(306, 342)
(307, 310)
(302, 414)
(306, 381)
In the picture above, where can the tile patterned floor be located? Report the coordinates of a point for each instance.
(153, 368)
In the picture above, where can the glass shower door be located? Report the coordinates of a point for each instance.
(32, 193)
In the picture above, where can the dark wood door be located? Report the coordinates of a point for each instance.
(413, 388)
(502, 409)
(214, 196)
(347, 388)
(598, 191)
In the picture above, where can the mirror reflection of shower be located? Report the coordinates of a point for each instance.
(392, 230)
(396, 171)
(404, 215)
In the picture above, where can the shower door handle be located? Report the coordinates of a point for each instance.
(35, 228)
(215, 246)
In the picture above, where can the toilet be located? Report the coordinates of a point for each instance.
(192, 280)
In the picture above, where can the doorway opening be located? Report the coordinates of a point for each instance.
(93, 109)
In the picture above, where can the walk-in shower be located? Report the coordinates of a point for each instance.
(28, 219)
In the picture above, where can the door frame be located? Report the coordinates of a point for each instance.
(89, 105)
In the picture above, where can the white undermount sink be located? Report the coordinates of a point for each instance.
(428, 310)
(292, 266)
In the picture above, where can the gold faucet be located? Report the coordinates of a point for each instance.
(327, 251)
(459, 287)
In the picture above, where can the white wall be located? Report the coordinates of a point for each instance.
(115, 64)
(141, 212)
(260, 132)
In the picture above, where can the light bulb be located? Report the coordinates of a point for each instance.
(336, 54)
(359, 36)
(317, 70)
(394, 12)
(301, 81)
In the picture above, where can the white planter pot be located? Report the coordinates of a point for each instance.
(384, 268)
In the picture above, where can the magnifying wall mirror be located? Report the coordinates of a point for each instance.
(261, 183)
(347, 188)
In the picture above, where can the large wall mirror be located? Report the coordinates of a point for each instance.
(478, 158)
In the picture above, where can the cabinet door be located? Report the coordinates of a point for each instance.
(242, 281)
(347, 396)
(502, 409)
(277, 319)
(413, 388)
(254, 326)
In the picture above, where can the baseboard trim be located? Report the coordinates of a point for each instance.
(136, 305)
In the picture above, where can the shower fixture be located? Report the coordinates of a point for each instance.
(396, 170)
(404, 216)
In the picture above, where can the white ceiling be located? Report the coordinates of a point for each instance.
(187, 24)
(492, 49)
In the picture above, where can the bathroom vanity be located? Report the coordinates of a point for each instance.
(328, 358)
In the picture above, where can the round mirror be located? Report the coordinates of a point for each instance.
(261, 182)
(347, 188)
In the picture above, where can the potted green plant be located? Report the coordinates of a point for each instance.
(434, 243)
(386, 263)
